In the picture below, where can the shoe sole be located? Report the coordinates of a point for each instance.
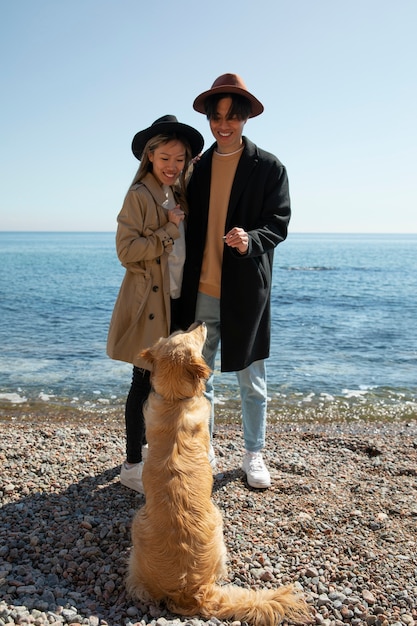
(132, 488)
(256, 485)
(133, 485)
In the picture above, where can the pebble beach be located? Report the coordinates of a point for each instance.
(339, 522)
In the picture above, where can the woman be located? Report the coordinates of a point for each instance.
(150, 244)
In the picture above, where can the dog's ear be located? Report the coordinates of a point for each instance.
(201, 369)
(148, 355)
(197, 369)
(191, 381)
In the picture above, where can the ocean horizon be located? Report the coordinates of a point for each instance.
(343, 322)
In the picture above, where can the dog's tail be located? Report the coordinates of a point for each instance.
(263, 607)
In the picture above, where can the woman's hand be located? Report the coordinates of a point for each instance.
(176, 215)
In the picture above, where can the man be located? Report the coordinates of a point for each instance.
(239, 209)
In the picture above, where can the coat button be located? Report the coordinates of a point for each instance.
(155, 288)
(151, 316)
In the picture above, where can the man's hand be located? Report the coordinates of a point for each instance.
(237, 238)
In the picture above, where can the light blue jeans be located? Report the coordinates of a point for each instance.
(252, 379)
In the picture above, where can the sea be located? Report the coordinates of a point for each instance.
(344, 324)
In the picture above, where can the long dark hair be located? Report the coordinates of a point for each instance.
(146, 165)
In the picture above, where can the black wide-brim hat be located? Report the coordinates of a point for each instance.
(229, 84)
(168, 125)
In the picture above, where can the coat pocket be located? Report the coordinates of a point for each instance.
(128, 310)
(261, 271)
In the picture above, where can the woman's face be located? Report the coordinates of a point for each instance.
(168, 161)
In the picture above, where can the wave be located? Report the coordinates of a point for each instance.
(313, 268)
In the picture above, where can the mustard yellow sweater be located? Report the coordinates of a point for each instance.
(222, 176)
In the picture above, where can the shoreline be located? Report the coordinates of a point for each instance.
(340, 520)
(311, 409)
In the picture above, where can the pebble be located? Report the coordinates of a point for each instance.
(336, 523)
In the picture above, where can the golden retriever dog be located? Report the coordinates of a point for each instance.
(178, 552)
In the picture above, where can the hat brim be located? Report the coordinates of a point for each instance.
(194, 138)
(256, 106)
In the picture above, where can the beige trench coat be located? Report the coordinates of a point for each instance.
(142, 312)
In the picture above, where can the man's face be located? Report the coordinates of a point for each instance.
(226, 131)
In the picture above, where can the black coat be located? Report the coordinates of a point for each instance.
(260, 204)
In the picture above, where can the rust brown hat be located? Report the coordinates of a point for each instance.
(229, 83)
(167, 125)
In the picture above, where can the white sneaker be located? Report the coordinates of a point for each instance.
(132, 477)
(212, 458)
(256, 471)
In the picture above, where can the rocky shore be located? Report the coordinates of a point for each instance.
(340, 520)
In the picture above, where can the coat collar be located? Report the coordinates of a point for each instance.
(154, 188)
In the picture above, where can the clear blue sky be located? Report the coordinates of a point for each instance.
(337, 79)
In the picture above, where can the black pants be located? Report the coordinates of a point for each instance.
(138, 394)
(135, 422)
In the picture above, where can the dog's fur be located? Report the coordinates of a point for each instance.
(178, 550)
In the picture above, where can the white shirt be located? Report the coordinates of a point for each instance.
(176, 257)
